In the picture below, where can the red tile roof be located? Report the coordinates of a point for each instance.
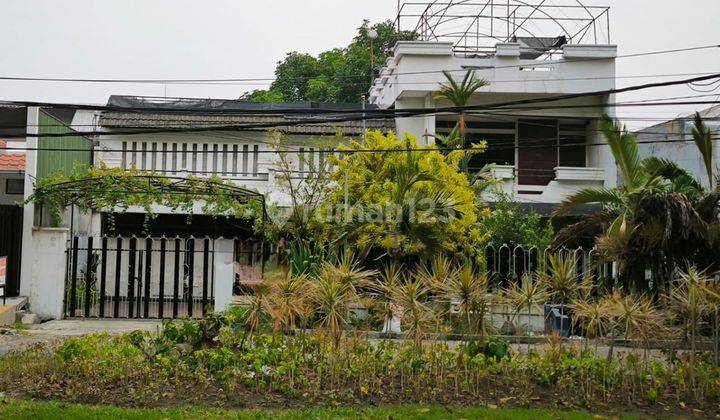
(11, 161)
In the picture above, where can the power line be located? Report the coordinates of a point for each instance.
(267, 79)
(160, 119)
(320, 121)
(366, 114)
(507, 146)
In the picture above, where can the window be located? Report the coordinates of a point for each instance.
(500, 138)
(14, 186)
(572, 145)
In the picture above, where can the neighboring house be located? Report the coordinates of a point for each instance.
(12, 176)
(673, 140)
(12, 170)
(540, 155)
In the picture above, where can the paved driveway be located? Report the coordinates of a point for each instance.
(52, 331)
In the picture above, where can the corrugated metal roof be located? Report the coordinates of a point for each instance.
(145, 120)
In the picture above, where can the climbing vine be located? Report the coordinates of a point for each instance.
(101, 188)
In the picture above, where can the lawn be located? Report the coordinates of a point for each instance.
(16, 409)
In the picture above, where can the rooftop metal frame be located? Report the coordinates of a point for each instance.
(475, 26)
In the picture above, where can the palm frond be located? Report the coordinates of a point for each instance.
(670, 171)
(605, 196)
(624, 148)
(703, 140)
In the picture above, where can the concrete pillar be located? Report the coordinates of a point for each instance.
(31, 143)
(224, 273)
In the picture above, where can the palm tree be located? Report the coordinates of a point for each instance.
(702, 137)
(460, 94)
(659, 215)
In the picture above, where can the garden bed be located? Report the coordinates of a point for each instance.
(213, 365)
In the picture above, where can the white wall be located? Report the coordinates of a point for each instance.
(44, 275)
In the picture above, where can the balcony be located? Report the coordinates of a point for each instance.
(567, 181)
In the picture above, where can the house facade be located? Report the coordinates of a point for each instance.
(541, 151)
(117, 263)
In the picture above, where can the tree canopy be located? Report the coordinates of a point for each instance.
(341, 75)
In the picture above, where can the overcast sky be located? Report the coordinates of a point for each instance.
(186, 39)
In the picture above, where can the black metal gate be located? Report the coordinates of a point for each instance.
(129, 277)
(11, 221)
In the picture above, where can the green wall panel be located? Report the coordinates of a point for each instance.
(68, 151)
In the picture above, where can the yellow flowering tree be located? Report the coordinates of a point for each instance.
(404, 200)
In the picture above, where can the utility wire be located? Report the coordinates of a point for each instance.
(510, 146)
(160, 119)
(321, 121)
(369, 113)
(265, 79)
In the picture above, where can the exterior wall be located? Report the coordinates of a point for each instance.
(245, 158)
(28, 250)
(415, 70)
(685, 153)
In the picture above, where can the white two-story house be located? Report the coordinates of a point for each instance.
(542, 151)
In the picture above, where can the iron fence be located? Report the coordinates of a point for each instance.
(507, 263)
(130, 277)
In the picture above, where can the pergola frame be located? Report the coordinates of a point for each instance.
(178, 185)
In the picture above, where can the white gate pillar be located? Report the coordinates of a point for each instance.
(224, 271)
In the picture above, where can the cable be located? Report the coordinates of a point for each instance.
(210, 123)
(311, 122)
(365, 114)
(352, 151)
(186, 81)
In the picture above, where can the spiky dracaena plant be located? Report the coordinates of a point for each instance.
(391, 276)
(256, 313)
(333, 292)
(287, 300)
(468, 289)
(460, 94)
(438, 271)
(636, 317)
(563, 282)
(417, 313)
(526, 296)
(594, 316)
(690, 300)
